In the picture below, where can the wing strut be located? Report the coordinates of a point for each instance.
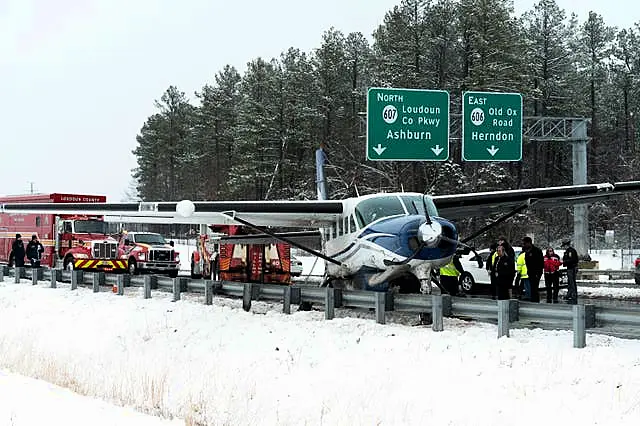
(286, 240)
(499, 220)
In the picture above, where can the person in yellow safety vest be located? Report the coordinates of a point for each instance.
(450, 275)
(523, 275)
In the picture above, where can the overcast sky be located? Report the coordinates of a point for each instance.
(78, 77)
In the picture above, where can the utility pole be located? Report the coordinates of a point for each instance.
(579, 162)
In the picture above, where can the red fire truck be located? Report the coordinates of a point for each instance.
(148, 252)
(251, 262)
(77, 241)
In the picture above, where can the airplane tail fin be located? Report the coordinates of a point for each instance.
(321, 159)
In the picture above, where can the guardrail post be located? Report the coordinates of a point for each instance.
(153, 281)
(329, 304)
(4, 271)
(18, 271)
(256, 290)
(76, 278)
(514, 310)
(120, 284)
(176, 288)
(381, 306)
(286, 302)
(34, 276)
(247, 292)
(208, 292)
(184, 284)
(1, 273)
(149, 284)
(97, 279)
(437, 312)
(56, 275)
(579, 329)
(589, 316)
(504, 316)
(446, 305)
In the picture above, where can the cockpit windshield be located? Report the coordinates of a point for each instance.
(89, 227)
(372, 209)
(415, 204)
(149, 239)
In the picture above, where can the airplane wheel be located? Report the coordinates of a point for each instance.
(467, 282)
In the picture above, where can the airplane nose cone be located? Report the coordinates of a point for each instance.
(429, 233)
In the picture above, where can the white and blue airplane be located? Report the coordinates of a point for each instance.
(374, 241)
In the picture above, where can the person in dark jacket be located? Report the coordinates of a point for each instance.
(570, 261)
(552, 265)
(502, 241)
(503, 270)
(489, 265)
(534, 260)
(34, 251)
(17, 251)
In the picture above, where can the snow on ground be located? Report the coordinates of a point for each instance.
(29, 402)
(610, 292)
(220, 365)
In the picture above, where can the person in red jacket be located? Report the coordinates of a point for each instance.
(552, 264)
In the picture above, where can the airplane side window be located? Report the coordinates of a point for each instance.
(38, 221)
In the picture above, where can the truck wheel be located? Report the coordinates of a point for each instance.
(467, 282)
(133, 267)
(68, 263)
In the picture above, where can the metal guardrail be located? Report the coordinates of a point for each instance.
(607, 320)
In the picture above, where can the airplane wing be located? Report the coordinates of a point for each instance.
(313, 213)
(486, 203)
(320, 213)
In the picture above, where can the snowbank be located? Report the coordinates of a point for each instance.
(221, 365)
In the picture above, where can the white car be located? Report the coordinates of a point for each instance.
(475, 276)
(296, 267)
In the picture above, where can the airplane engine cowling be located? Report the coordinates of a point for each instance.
(401, 235)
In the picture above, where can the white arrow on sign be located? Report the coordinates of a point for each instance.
(437, 150)
(493, 150)
(379, 149)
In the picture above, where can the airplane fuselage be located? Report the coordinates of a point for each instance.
(378, 239)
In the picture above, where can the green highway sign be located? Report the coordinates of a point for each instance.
(407, 124)
(491, 126)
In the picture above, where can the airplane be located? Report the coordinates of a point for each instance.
(374, 242)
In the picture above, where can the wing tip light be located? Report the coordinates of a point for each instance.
(185, 208)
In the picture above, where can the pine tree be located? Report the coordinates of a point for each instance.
(594, 47)
(217, 119)
(259, 137)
